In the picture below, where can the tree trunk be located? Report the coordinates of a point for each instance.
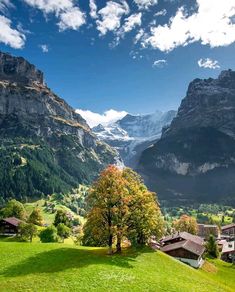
(110, 251)
(119, 241)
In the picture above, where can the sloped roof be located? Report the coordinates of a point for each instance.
(188, 245)
(185, 236)
(228, 226)
(228, 247)
(13, 221)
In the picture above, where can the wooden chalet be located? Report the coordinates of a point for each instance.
(185, 247)
(228, 231)
(180, 236)
(9, 226)
(228, 251)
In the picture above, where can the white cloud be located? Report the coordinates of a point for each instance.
(93, 9)
(159, 63)
(145, 4)
(161, 13)
(5, 5)
(211, 25)
(70, 16)
(44, 48)
(139, 36)
(51, 6)
(94, 119)
(111, 16)
(129, 24)
(208, 63)
(72, 19)
(10, 36)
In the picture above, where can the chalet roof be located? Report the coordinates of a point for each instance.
(228, 226)
(207, 225)
(13, 221)
(228, 247)
(185, 236)
(188, 245)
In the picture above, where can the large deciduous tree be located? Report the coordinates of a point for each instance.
(62, 217)
(121, 206)
(186, 223)
(36, 217)
(27, 231)
(14, 209)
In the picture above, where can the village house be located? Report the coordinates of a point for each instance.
(204, 230)
(185, 247)
(228, 231)
(9, 226)
(228, 251)
(180, 236)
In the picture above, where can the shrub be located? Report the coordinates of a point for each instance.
(49, 234)
(63, 231)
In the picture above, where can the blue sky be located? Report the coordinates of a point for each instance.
(137, 56)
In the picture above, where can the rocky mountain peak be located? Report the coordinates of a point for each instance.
(195, 157)
(227, 79)
(208, 103)
(36, 125)
(17, 69)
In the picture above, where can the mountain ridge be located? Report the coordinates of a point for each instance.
(195, 157)
(45, 145)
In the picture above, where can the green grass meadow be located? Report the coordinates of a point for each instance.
(63, 267)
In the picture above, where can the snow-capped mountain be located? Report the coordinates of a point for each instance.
(134, 133)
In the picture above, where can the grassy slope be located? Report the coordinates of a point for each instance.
(60, 267)
(48, 217)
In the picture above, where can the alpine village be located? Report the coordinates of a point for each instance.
(114, 201)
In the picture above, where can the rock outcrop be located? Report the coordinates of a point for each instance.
(17, 69)
(52, 145)
(195, 157)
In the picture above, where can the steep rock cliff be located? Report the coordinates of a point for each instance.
(195, 158)
(45, 145)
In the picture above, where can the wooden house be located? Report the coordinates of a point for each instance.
(228, 251)
(9, 226)
(228, 231)
(180, 236)
(185, 247)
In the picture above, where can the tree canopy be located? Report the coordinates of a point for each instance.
(62, 217)
(121, 207)
(186, 223)
(212, 247)
(48, 234)
(27, 231)
(14, 209)
(36, 217)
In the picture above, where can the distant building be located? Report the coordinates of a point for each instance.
(185, 247)
(9, 226)
(228, 230)
(204, 230)
(228, 251)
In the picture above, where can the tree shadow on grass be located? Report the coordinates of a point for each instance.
(61, 259)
